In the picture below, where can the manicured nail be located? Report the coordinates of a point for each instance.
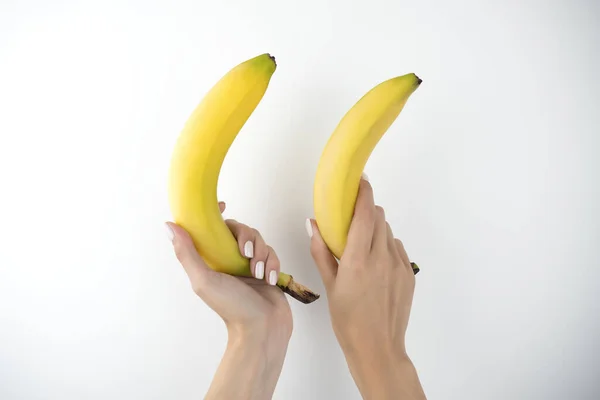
(273, 277)
(249, 249)
(309, 229)
(259, 270)
(365, 177)
(169, 232)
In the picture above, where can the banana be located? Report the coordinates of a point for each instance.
(196, 164)
(346, 153)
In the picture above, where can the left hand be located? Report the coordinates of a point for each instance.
(248, 306)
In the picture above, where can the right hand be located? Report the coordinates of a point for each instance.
(255, 311)
(248, 306)
(370, 296)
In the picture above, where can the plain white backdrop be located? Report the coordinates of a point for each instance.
(490, 177)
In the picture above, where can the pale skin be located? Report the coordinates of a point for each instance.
(369, 292)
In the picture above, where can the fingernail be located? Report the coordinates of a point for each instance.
(249, 249)
(169, 232)
(259, 270)
(365, 177)
(308, 226)
(273, 277)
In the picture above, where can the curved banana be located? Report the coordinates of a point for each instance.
(346, 153)
(196, 164)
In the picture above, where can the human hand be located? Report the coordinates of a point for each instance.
(256, 313)
(370, 295)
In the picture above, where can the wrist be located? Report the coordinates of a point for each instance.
(265, 348)
(253, 360)
(269, 339)
(361, 352)
(263, 352)
(385, 376)
(369, 366)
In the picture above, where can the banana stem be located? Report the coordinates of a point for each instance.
(415, 268)
(296, 290)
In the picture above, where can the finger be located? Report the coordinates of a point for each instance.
(379, 242)
(325, 261)
(403, 255)
(252, 245)
(360, 234)
(202, 278)
(261, 252)
(245, 237)
(272, 267)
(222, 206)
(391, 243)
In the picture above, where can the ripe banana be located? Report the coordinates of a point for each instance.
(346, 153)
(196, 164)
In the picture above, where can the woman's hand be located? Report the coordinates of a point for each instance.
(370, 295)
(256, 313)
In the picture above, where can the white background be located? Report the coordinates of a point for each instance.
(489, 176)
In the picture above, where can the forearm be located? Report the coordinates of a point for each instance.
(249, 369)
(389, 377)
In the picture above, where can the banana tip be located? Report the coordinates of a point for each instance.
(272, 58)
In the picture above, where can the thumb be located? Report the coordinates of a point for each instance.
(201, 277)
(325, 261)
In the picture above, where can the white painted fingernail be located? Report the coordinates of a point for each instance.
(365, 177)
(273, 277)
(169, 232)
(259, 270)
(309, 229)
(249, 249)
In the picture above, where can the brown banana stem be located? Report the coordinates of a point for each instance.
(298, 291)
(415, 268)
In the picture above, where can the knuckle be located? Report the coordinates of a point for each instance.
(258, 238)
(247, 232)
(242, 239)
(274, 263)
(366, 186)
(400, 247)
(412, 280)
(272, 254)
(369, 214)
(243, 234)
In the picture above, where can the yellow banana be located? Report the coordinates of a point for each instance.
(196, 164)
(346, 153)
